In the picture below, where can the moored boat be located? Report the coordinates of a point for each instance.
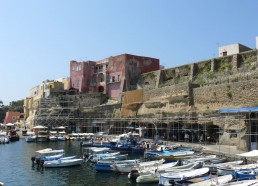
(63, 163)
(172, 178)
(217, 180)
(107, 165)
(31, 138)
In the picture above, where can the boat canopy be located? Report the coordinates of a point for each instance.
(253, 153)
(44, 150)
(237, 110)
(51, 151)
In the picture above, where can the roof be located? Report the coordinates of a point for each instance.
(237, 110)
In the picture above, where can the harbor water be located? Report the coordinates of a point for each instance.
(16, 167)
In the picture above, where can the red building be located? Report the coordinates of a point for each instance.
(112, 75)
(12, 117)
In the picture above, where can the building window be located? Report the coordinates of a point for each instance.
(113, 78)
(118, 78)
(225, 53)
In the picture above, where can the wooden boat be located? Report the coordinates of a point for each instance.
(217, 180)
(63, 163)
(213, 167)
(172, 177)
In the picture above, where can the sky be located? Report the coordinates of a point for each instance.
(38, 39)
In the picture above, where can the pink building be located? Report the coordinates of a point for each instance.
(12, 117)
(112, 75)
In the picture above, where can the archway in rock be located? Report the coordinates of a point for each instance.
(212, 133)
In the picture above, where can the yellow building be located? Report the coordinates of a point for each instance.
(47, 89)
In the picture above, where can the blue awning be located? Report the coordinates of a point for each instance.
(237, 110)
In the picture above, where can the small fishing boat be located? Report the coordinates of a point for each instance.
(107, 165)
(242, 183)
(48, 154)
(182, 155)
(179, 177)
(63, 163)
(61, 136)
(109, 156)
(230, 169)
(124, 168)
(213, 167)
(53, 136)
(201, 158)
(212, 181)
(31, 138)
(248, 174)
(4, 138)
(148, 174)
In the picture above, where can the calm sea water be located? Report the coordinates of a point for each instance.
(16, 168)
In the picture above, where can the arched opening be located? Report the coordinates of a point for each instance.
(176, 132)
(101, 89)
(101, 78)
(212, 133)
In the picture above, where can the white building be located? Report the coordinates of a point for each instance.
(233, 49)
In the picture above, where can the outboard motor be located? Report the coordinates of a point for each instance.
(134, 175)
(33, 158)
(41, 163)
(38, 162)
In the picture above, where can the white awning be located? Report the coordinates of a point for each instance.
(253, 153)
(39, 127)
(9, 124)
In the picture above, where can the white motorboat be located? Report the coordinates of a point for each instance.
(48, 154)
(172, 177)
(201, 158)
(31, 138)
(107, 165)
(148, 174)
(42, 136)
(213, 167)
(4, 138)
(63, 163)
(154, 176)
(214, 181)
(241, 183)
(52, 138)
(125, 168)
(61, 136)
(230, 169)
(110, 156)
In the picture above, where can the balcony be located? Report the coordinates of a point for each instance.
(113, 80)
